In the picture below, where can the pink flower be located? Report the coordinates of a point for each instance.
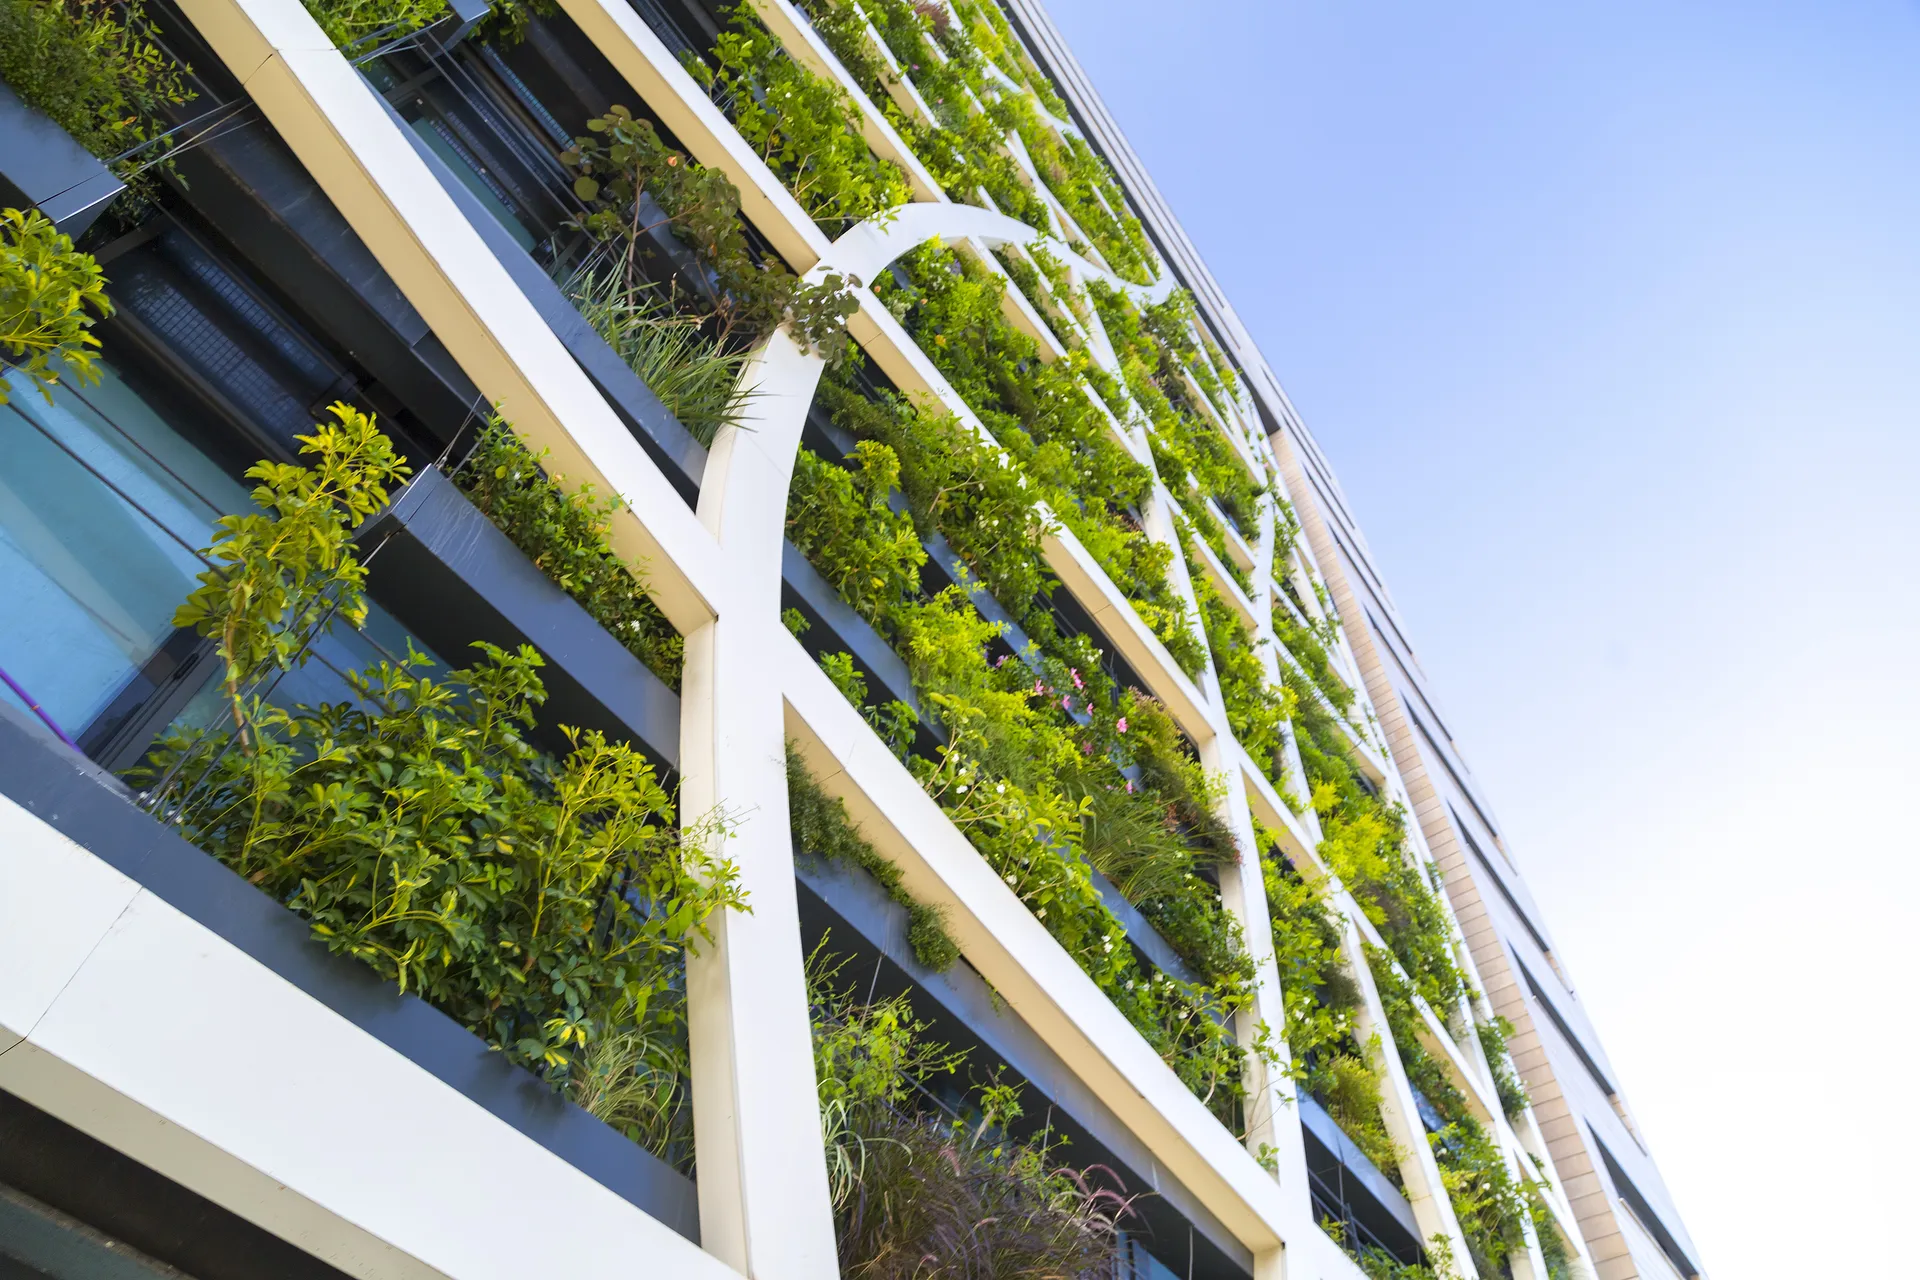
(1086, 748)
(1078, 683)
(1129, 786)
(1121, 724)
(1038, 688)
(1066, 702)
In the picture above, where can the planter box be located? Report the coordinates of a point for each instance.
(42, 167)
(451, 578)
(92, 808)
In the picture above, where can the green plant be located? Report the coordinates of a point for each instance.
(1308, 645)
(1040, 413)
(565, 534)
(352, 22)
(1363, 840)
(804, 127)
(1378, 1264)
(697, 377)
(1553, 1246)
(47, 289)
(622, 159)
(1156, 349)
(821, 829)
(96, 70)
(1493, 1041)
(1487, 1200)
(922, 1195)
(1033, 770)
(1322, 1000)
(545, 904)
(1257, 711)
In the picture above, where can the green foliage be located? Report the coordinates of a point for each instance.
(565, 534)
(96, 70)
(1363, 841)
(545, 904)
(697, 377)
(822, 829)
(1554, 1250)
(279, 574)
(1308, 644)
(1257, 711)
(1493, 1041)
(1155, 347)
(1035, 770)
(967, 144)
(921, 1196)
(1027, 277)
(1322, 1000)
(352, 22)
(1040, 413)
(1378, 1264)
(1486, 1198)
(623, 158)
(805, 128)
(47, 289)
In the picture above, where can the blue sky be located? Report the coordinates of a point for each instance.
(1609, 318)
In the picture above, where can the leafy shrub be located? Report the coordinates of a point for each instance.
(622, 159)
(545, 904)
(1034, 770)
(95, 69)
(351, 22)
(1489, 1203)
(804, 127)
(1257, 711)
(1363, 841)
(1308, 644)
(565, 535)
(1040, 414)
(821, 829)
(1493, 1041)
(921, 1195)
(1155, 345)
(47, 289)
(1321, 1000)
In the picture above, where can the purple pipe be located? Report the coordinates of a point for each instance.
(45, 719)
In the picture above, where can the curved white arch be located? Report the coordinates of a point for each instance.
(867, 249)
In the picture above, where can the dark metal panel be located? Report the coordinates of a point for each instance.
(451, 578)
(42, 166)
(673, 449)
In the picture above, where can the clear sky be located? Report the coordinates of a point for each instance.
(1608, 316)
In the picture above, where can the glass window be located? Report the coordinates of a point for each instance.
(102, 506)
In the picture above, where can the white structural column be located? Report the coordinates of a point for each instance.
(764, 1205)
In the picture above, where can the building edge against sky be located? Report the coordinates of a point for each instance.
(191, 1084)
(1624, 1207)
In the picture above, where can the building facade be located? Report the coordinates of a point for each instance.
(651, 634)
